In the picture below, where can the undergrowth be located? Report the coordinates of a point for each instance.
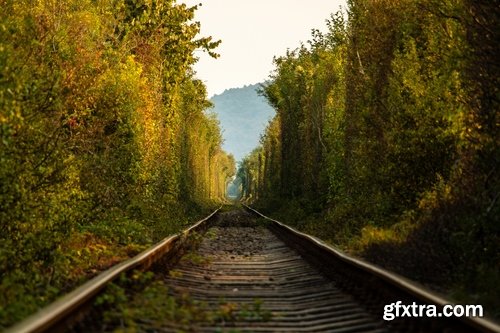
(89, 249)
(429, 245)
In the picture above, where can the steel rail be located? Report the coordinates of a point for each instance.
(390, 279)
(53, 317)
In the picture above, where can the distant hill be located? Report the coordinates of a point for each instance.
(243, 115)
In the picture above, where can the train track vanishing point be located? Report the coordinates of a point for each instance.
(266, 277)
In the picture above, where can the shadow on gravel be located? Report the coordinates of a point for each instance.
(238, 218)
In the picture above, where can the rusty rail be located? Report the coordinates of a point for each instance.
(56, 316)
(382, 285)
(370, 286)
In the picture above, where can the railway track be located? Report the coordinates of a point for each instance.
(247, 273)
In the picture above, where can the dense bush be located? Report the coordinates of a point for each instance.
(100, 119)
(387, 129)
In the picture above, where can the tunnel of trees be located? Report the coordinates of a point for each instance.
(385, 141)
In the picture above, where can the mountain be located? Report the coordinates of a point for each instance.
(243, 115)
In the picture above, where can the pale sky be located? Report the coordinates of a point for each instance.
(252, 32)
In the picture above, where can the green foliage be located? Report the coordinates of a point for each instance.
(95, 101)
(386, 140)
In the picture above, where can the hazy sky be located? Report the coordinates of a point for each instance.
(252, 32)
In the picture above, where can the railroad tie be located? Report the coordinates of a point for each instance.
(250, 268)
